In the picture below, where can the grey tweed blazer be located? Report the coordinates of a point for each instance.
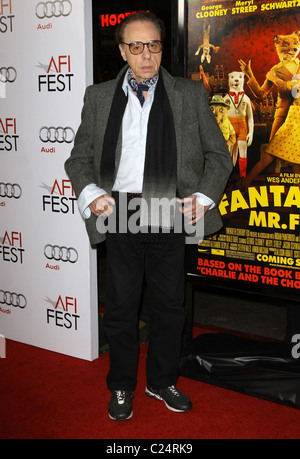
(203, 161)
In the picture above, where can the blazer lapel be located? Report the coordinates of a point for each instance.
(106, 101)
(176, 102)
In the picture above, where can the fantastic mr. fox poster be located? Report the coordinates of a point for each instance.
(247, 54)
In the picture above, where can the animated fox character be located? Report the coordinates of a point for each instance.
(286, 142)
(240, 115)
(220, 110)
(283, 77)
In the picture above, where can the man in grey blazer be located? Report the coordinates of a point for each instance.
(146, 138)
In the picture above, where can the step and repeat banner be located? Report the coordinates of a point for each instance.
(247, 54)
(48, 288)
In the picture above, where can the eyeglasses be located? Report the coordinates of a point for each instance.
(137, 47)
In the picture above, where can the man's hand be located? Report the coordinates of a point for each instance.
(192, 209)
(104, 205)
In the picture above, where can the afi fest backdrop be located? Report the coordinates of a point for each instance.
(258, 249)
(48, 294)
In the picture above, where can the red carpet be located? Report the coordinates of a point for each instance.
(44, 395)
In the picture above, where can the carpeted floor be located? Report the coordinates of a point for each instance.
(45, 395)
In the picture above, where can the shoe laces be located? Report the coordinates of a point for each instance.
(120, 397)
(174, 391)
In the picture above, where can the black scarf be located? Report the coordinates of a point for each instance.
(160, 170)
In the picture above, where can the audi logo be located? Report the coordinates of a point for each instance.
(55, 9)
(13, 299)
(59, 134)
(8, 74)
(10, 190)
(65, 254)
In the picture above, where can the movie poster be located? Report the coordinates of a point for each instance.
(247, 54)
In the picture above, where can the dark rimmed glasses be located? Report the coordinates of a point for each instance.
(137, 47)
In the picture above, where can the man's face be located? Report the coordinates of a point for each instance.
(146, 64)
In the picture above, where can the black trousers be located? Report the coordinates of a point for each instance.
(132, 260)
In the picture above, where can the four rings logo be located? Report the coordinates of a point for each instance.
(8, 74)
(10, 190)
(65, 254)
(59, 134)
(53, 9)
(13, 299)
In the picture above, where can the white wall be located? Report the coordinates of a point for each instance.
(45, 66)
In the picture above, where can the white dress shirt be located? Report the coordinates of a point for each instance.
(131, 168)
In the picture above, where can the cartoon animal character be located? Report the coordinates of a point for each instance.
(206, 46)
(281, 77)
(286, 142)
(240, 115)
(220, 110)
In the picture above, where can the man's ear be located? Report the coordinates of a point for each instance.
(122, 51)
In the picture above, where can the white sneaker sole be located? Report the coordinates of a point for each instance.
(122, 419)
(158, 397)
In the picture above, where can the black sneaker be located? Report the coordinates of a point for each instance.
(120, 405)
(173, 398)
